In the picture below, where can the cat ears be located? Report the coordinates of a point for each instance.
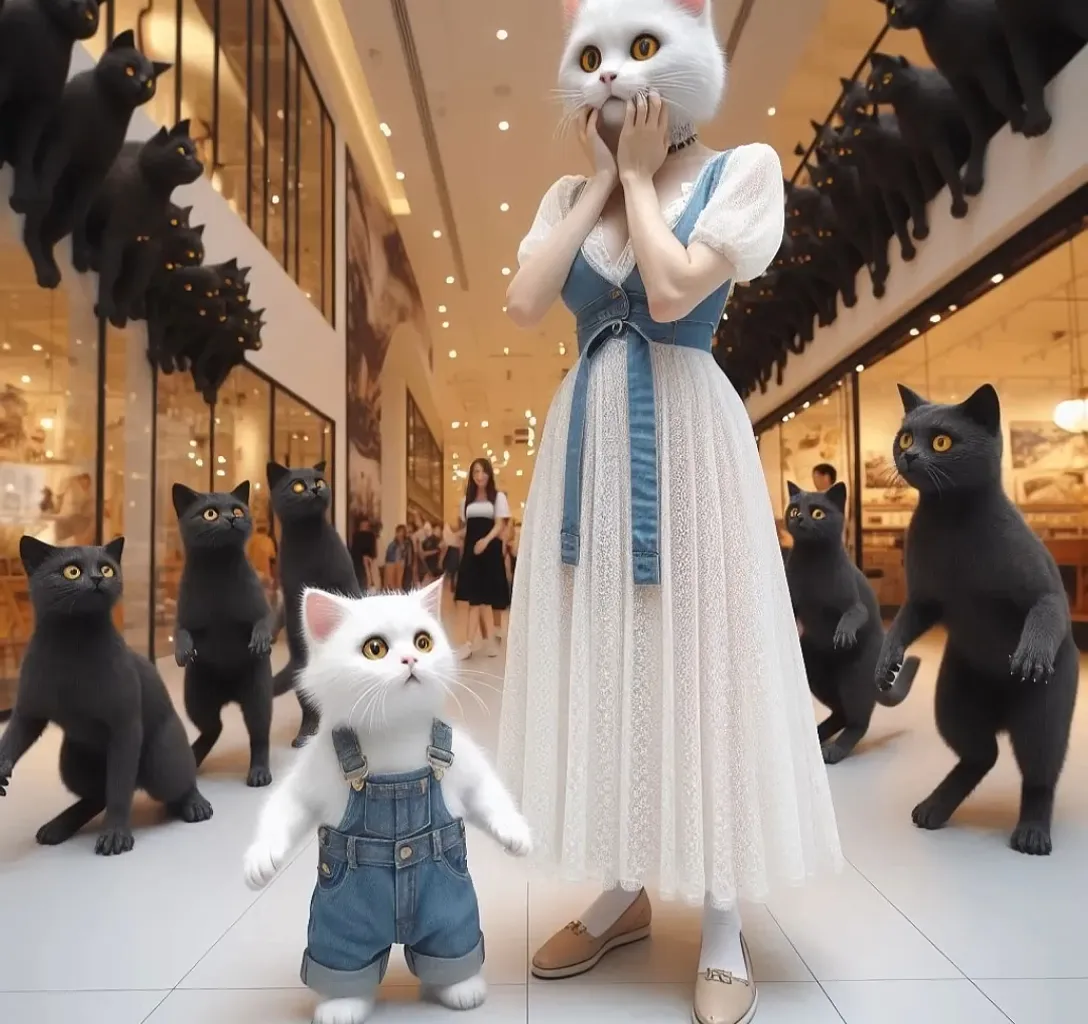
(319, 467)
(34, 553)
(883, 60)
(322, 614)
(124, 40)
(792, 488)
(183, 498)
(275, 473)
(430, 597)
(241, 492)
(160, 67)
(696, 8)
(911, 399)
(983, 407)
(836, 494)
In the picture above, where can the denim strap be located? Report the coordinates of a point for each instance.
(439, 754)
(351, 757)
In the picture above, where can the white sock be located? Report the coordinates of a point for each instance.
(343, 1011)
(721, 949)
(465, 995)
(607, 909)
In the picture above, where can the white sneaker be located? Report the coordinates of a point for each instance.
(494, 647)
(464, 652)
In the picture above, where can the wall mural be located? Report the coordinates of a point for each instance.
(898, 138)
(76, 176)
(382, 297)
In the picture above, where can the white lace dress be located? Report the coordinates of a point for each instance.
(664, 735)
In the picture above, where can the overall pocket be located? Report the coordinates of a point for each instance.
(331, 872)
(398, 811)
(455, 860)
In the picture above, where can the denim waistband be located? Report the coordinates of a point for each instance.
(359, 851)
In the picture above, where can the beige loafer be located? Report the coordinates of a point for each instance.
(720, 998)
(574, 951)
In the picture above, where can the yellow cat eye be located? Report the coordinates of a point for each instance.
(590, 59)
(188, 287)
(228, 282)
(210, 514)
(794, 512)
(169, 266)
(221, 319)
(645, 47)
(375, 649)
(941, 443)
(829, 181)
(906, 440)
(181, 151)
(819, 513)
(238, 512)
(887, 79)
(72, 572)
(107, 571)
(173, 222)
(298, 487)
(241, 340)
(191, 255)
(857, 131)
(130, 71)
(319, 484)
(89, 15)
(424, 643)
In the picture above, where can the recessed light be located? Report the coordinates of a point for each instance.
(502, 35)
(450, 279)
(453, 353)
(858, 369)
(25, 379)
(914, 332)
(400, 175)
(36, 347)
(806, 405)
(275, 200)
(953, 308)
(483, 423)
(935, 319)
(997, 278)
(771, 111)
(528, 414)
(436, 233)
(504, 207)
(532, 421)
(785, 419)
(385, 129)
(506, 351)
(725, 316)
(504, 309)
(562, 350)
(455, 424)
(505, 271)
(504, 126)
(441, 309)
(445, 324)
(520, 473)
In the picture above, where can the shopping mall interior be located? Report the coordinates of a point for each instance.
(375, 166)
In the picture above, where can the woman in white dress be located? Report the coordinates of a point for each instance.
(656, 721)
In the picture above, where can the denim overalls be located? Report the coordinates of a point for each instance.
(395, 870)
(603, 311)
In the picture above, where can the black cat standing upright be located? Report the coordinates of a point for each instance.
(121, 732)
(975, 566)
(224, 629)
(311, 554)
(839, 617)
(78, 148)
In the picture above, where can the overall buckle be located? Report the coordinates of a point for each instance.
(357, 776)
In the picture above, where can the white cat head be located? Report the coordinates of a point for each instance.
(377, 662)
(617, 49)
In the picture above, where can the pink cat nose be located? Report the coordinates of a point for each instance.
(608, 77)
(408, 659)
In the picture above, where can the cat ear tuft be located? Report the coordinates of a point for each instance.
(114, 548)
(183, 498)
(199, 229)
(160, 136)
(319, 467)
(126, 39)
(34, 553)
(570, 10)
(902, 61)
(276, 473)
(181, 128)
(836, 494)
(322, 614)
(430, 597)
(696, 8)
(160, 67)
(911, 399)
(984, 407)
(792, 488)
(241, 492)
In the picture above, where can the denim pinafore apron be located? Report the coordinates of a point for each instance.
(603, 312)
(395, 870)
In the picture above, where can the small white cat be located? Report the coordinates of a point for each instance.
(617, 49)
(390, 692)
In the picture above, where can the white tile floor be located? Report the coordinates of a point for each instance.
(947, 928)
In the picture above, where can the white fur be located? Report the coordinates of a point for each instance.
(688, 71)
(391, 705)
(343, 1011)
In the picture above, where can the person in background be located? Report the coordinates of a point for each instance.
(398, 559)
(482, 587)
(451, 555)
(515, 540)
(429, 553)
(364, 556)
(824, 476)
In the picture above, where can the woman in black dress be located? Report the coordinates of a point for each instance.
(482, 586)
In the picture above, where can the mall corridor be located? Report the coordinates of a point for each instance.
(949, 927)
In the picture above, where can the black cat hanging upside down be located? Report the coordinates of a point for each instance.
(841, 630)
(975, 566)
(121, 732)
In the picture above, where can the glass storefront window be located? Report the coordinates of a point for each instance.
(308, 193)
(300, 435)
(199, 67)
(277, 115)
(230, 174)
(328, 206)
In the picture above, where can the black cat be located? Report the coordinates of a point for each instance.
(79, 147)
(224, 628)
(311, 554)
(180, 313)
(181, 245)
(131, 213)
(974, 565)
(966, 43)
(839, 617)
(1029, 26)
(36, 40)
(121, 732)
(929, 116)
(223, 348)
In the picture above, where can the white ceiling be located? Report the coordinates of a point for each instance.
(790, 55)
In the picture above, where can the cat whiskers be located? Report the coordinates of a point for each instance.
(448, 682)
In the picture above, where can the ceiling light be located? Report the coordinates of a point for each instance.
(562, 350)
(914, 332)
(220, 472)
(221, 460)
(192, 455)
(6, 347)
(490, 452)
(520, 473)
(455, 424)
(860, 368)
(953, 308)
(200, 462)
(445, 323)
(25, 379)
(275, 200)
(450, 279)
(725, 316)
(47, 423)
(785, 419)
(400, 175)
(806, 405)
(502, 35)
(504, 207)
(997, 278)
(532, 421)
(504, 126)
(441, 309)
(453, 353)
(505, 271)
(36, 347)
(504, 309)
(483, 423)
(436, 233)
(385, 129)
(935, 319)
(48, 454)
(771, 111)
(528, 414)
(506, 351)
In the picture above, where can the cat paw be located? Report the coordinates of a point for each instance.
(908, 252)
(972, 182)
(1036, 124)
(832, 753)
(307, 729)
(930, 814)
(194, 808)
(512, 833)
(52, 833)
(959, 208)
(48, 275)
(18, 203)
(114, 841)
(6, 768)
(845, 639)
(920, 231)
(261, 864)
(260, 642)
(1031, 838)
(1030, 665)
(259, 776)
(888, 665)
(465, 995)
(343, 1011)
(184, 654)
(879, 289)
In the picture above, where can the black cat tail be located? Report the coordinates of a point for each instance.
(898, 691)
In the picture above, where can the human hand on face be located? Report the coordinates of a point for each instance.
(644, 140)
(600, 156)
